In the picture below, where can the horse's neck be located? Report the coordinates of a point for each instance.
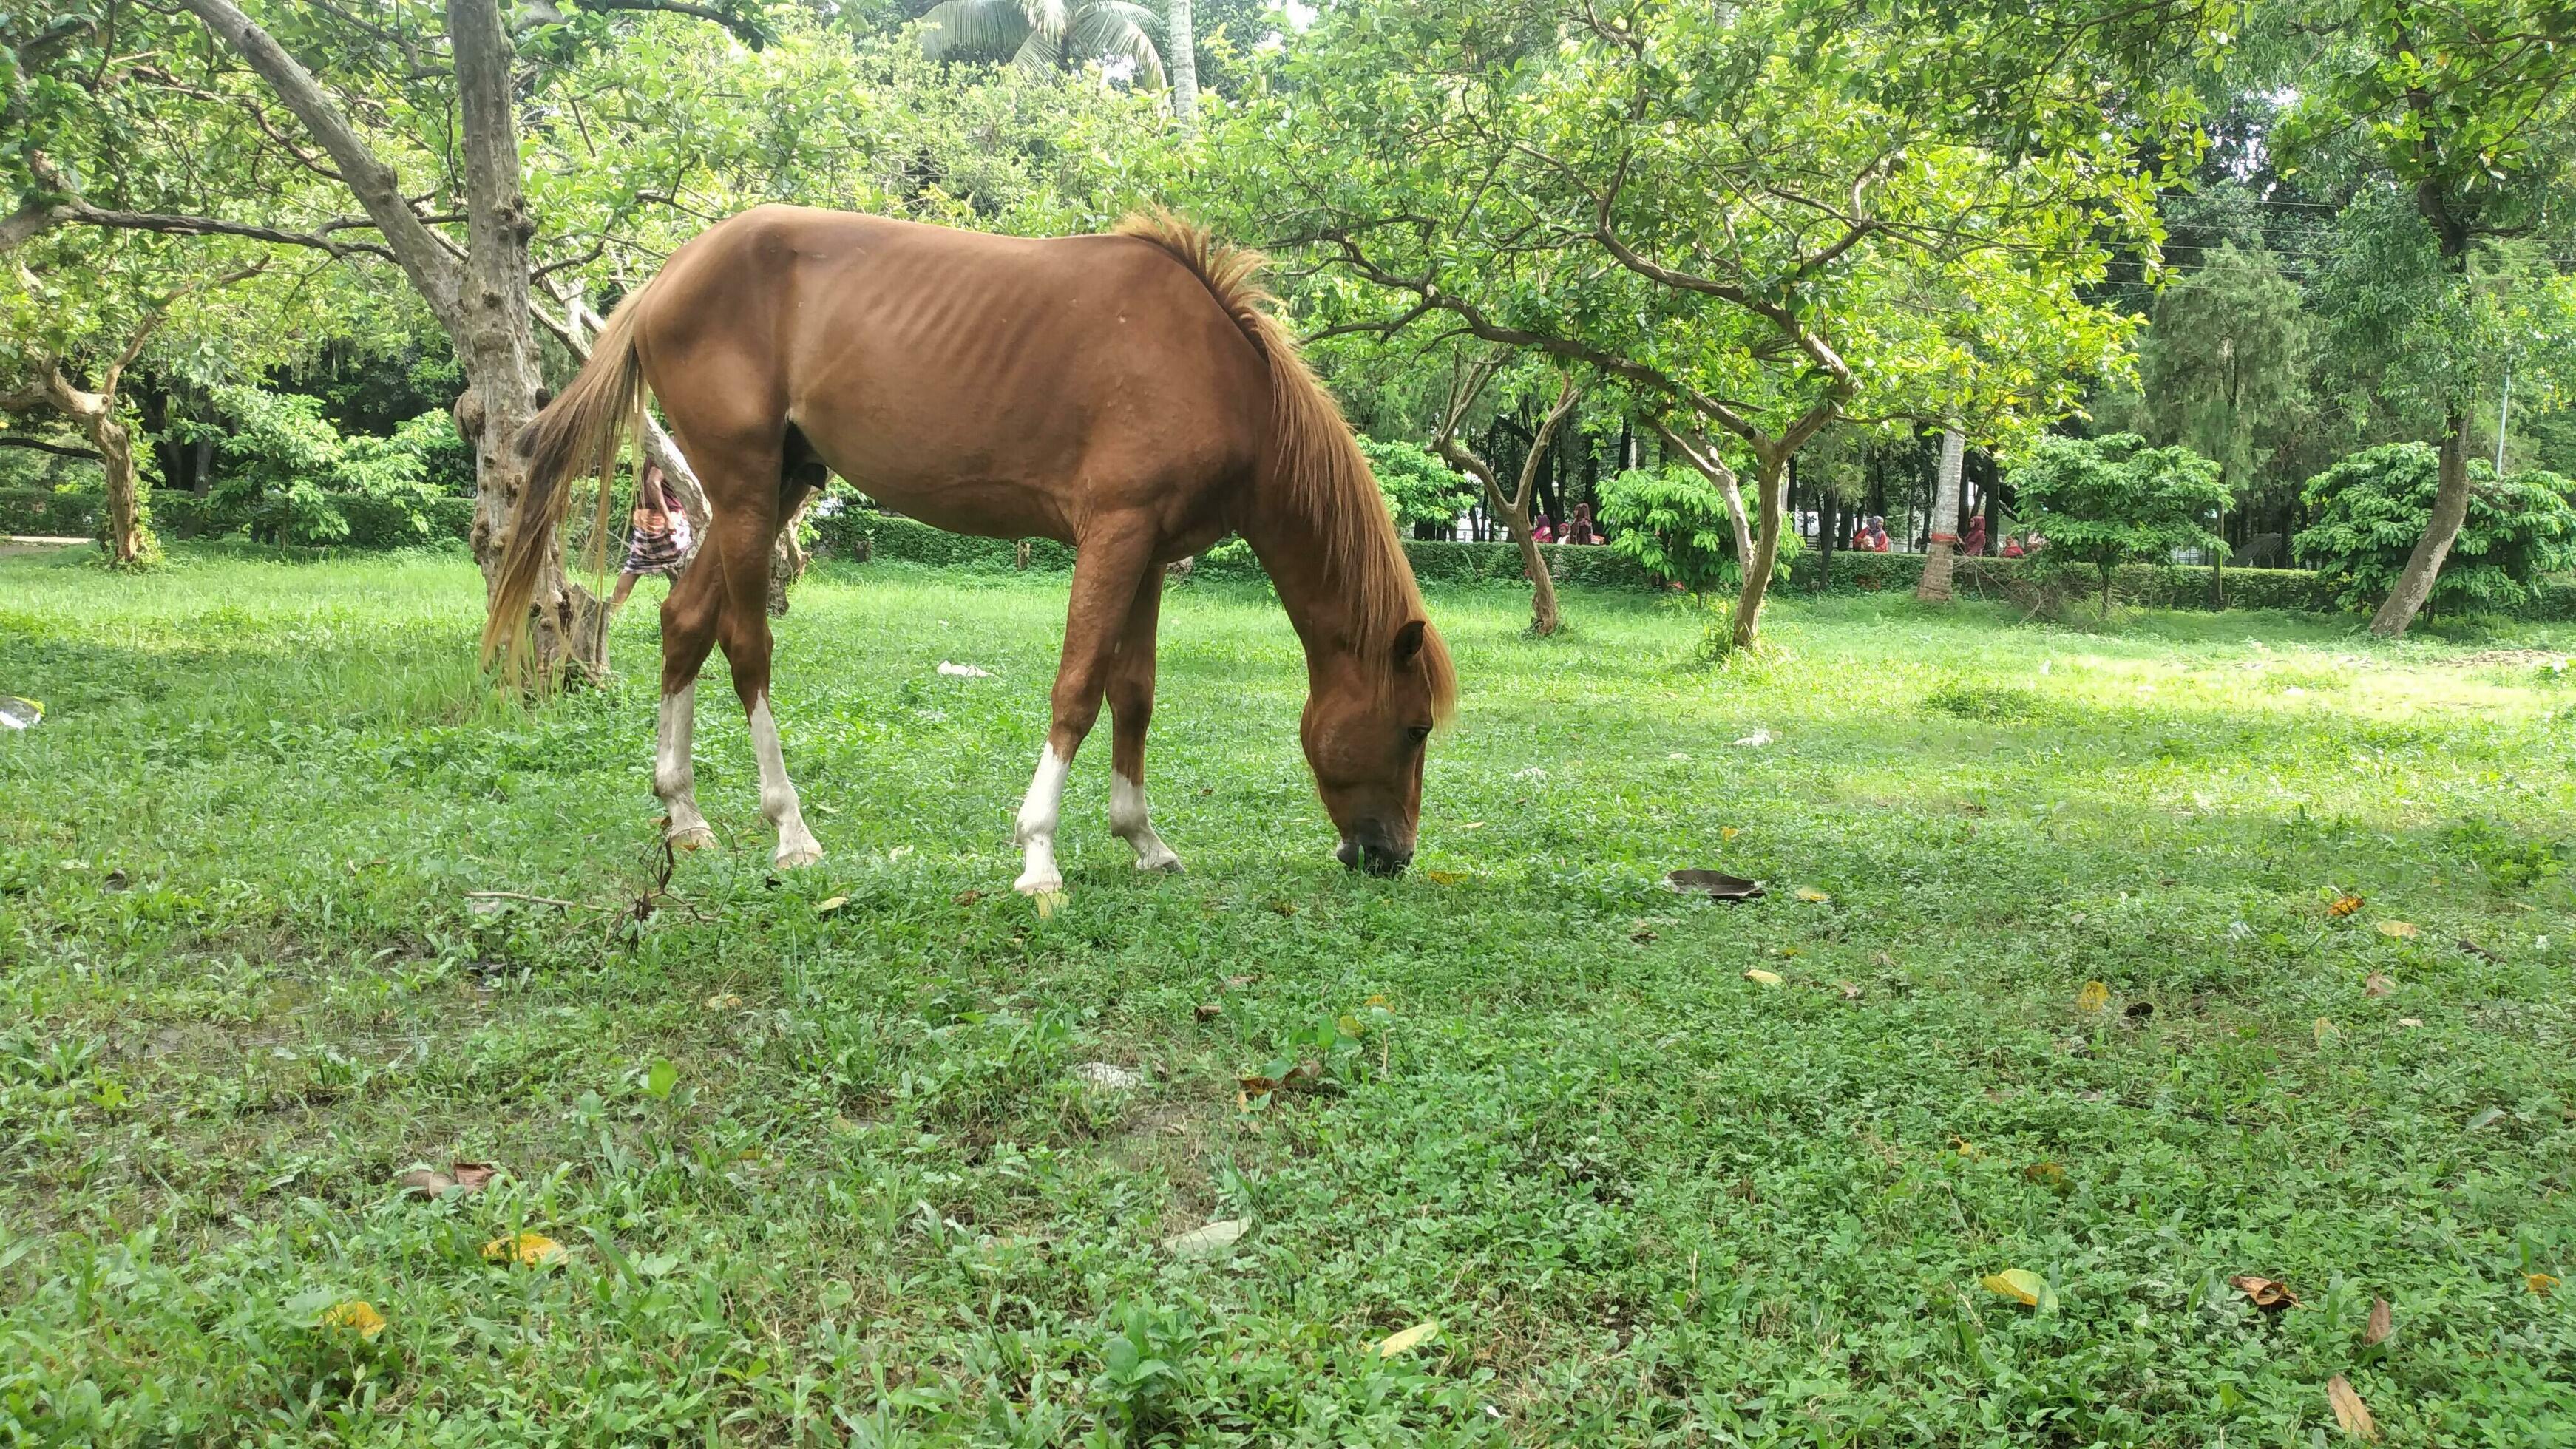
(1296, 556)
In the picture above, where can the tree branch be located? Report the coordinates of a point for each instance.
(178, 224)
(32, 219)
(38, 445)
(749, 32)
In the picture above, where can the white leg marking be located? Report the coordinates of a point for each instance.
(1127, 821)
(1036, 834)
(777, 796)
(673, 777)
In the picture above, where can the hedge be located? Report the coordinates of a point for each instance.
(49, 513)
(888, 536)
(2151, 585)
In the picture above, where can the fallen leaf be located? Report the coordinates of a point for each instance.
(1238, 981)
(357, 1315)
(1767, 978)
(2402, 930)
(2016, 1283)
(1445, 877)
(1715, 884)
(1641, 936)
(2349, 1410)
(2265, 1292)
(834, 904)
(2481, 952)
(2485, 1119)
(1473, 825)
(1851, 991)
(1207, 1011)
(2410, 1021)
(530, 1248)
(2344, 906)
(1208, 1241)
(423, 1182)
(472, 1176)
(968, 898)
(1047, 902)
(2377, 984)
(2539, 1283)
(2047, 1172)
(2325, 1031)
(2139, 1010)
(1812, 896)
(723, 1001)
(1414, 1337)
(2093, 997)
(1728, 832)
(2382, 1322)
(1376, 998)
(1289, 908)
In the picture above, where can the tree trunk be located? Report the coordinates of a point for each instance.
(123, 531)
(2450, 510)
(1766, 551)
(1827, 525)
(1544, 619)
(1184, 56)
(1941, 551)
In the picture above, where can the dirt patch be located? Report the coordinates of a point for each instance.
(2509, 658)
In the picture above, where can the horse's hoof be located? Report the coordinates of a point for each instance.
(696, 837)
(794, 857)
(1165, 863)
(1031, 883)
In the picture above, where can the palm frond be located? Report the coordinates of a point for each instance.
(1113, 30)
(1040, 55)
(973, 29)
(1048, 17)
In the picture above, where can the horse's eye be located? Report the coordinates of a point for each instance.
(1418, 733)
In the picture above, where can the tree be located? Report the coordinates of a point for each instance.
(2114, 500)
(1469, 379)
(1672, 522)
(1422, 492)
(1934, 586)
(2372, 509)
(2454, 122)
(1744, 221)
(1042, 36)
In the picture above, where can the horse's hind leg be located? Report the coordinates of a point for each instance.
(1131, 711)
(740, 535)
(688, 632)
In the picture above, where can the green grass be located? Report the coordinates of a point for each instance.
(837, 1177)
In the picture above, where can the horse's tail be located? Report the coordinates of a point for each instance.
(581, 427)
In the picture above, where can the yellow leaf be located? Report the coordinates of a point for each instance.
(1812, 895)
(2016, 1283)
(2047, 1172)
(1348, 1026)
(834, 904)
(2344, 906)
(1414, 1337)
(1473, 825)
(528, 1248)
(2539, 1283)
(723, 1001)
(1767, 978)
(2326, 1031)
(1444, 877)
(2093, 997)
(2349, 1410)
(358, 1316)
(1728, 832)
(1047, 902)
(1376, 999)
(2402, 930)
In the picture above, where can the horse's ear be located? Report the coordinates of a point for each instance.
(1408, 642)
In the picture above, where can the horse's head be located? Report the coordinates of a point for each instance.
(1368, 721)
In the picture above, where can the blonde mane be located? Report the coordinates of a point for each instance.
(1314, 457)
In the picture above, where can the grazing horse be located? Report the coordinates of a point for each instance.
(1127, 394)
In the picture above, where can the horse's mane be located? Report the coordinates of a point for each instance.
(1314, 458)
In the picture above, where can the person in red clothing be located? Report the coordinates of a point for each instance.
(1875, 539)
(1973, 542)
(1580, 528)
(2012, 546)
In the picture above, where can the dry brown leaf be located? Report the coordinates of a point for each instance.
(2265, 1292)
(968, 898)
(1851, 991)
(2048, 1172)
(2093, 997)
(2540, 1283)
(723, 1001)
(2382, 1322)
(471, 1176)
(1207, 1011)
(2377, 983)
(423, 1182)
(1208, 1241)
(2349, 1410)
(2344, 906)
(2325, 1031)
(2402, 930)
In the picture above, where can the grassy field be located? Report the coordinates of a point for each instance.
(918, 1168)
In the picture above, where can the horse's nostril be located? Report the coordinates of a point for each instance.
(1348, 853)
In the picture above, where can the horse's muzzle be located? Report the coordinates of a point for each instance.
(1368, 847)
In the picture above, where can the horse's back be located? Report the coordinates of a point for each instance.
(988, 384)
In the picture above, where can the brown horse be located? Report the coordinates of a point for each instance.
(1127, 394)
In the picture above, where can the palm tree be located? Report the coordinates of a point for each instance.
(1044, 35)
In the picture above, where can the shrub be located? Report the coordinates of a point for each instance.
(287, 468)
(2114, 500)
(2373, 506)
(1674, 524)
(1419, 488)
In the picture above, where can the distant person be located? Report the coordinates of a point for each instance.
(1973, 542)
(1542, 530)
(1873, 537)
(657, 538)
(2012, 546)
(1580, 528)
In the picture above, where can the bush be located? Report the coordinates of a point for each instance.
(52, 512)
(2373, 506)
(288, 470)
(1674, 524)
(2113, 500)
(1419, 488)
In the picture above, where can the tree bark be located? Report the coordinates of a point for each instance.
(1184, 55)
(1512, 509)
(1940, 556)
(1828, 533)
(1771, 463)
(124, 530)
(2450, 510)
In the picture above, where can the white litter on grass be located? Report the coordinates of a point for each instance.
(963, 671)
(2293, 692)
(1676, 755)
(1532, 773)
(1111, 1075)
(1755, 740)
(2043, 666)
(19, 714)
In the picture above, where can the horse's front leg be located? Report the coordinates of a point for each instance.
(1108, 569)
(1131, 712)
